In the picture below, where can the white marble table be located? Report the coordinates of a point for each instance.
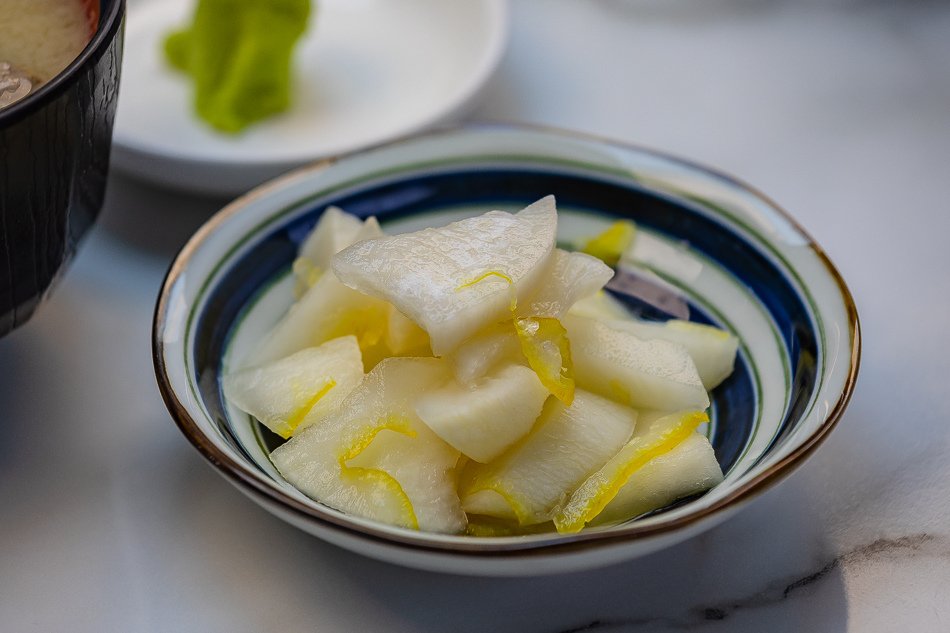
(839, 110)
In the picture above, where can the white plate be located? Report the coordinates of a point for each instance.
(366, 72)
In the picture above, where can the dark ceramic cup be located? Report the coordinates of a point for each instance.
(54, 157)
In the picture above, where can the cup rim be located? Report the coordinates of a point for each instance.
(110, 22)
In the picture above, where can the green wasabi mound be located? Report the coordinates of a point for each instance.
(239, 53)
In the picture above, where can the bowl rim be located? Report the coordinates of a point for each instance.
(246, 480)
(110, 23)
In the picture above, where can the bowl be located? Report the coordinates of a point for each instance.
(738, 260)
(54, 157)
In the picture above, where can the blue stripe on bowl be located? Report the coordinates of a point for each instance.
(516, 186)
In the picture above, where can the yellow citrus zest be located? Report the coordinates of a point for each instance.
(601, 487)
(487, 478)
(545, 344)
(489, 526)
(488, 482)
(483, 277)
(378, 478)
(487, 529)
(358, 442)
(512, 304)
(387, 485)
(286, 428)
(610, 245)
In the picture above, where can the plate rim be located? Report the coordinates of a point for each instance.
(129, 151)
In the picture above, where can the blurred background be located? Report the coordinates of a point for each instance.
(839, 110)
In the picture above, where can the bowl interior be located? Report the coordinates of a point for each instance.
(737, 261)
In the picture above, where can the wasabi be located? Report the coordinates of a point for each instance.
(239, 52)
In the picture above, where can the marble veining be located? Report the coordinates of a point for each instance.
(902, 547)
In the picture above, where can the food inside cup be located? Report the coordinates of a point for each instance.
(39, 39)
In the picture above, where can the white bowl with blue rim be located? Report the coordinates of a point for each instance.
(734, 257)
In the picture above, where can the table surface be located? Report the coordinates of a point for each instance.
(840, 110)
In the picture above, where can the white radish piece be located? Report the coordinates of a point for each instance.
(290, 394)
(334, 231)
(485, 419)
(654, 438)
(653, 374)
(486, 350)
(688, 469)
(327, 310)
(571, 276)
(712, 350)
(407, 479)
(567, 445)
(456, 279)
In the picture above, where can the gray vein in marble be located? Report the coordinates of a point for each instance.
(914, 545)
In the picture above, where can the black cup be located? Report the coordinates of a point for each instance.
(54, 157)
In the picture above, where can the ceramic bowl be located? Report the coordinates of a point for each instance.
(737, 259)
(54, 157)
